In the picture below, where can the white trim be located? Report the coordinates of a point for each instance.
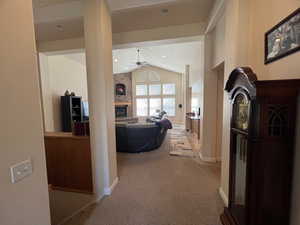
(151, 65)
(216, 14)
(207, 159)
(109, 190)
(65, 220)
(223, 196)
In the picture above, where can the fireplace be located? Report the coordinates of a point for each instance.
(121, 111)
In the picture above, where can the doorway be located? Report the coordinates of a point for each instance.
(156, 72)
(63, 82)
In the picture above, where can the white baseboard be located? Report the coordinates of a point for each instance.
(207, 159)
(109, 190)
(223, 196)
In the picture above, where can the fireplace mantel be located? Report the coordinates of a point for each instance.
(122, 103)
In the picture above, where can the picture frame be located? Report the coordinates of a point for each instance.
(283, 39)
(120, 89)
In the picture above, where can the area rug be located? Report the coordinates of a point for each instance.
(179, 143)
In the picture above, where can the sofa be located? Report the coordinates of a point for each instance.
(141, 137)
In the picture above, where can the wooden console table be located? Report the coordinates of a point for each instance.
(69, 165)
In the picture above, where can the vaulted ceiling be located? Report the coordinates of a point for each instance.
(173, 57)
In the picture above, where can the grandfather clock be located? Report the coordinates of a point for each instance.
(261, 149)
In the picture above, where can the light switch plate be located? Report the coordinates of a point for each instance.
(20, 170)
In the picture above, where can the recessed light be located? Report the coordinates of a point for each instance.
(164, 56)
(164, 11)
(116, 60)
(59, 27)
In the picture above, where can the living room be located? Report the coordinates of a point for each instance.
(157, 191)
(148, 82)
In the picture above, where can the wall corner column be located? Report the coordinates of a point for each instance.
(209, 124)
(98, 43)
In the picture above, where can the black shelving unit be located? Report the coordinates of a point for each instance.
(71, 110)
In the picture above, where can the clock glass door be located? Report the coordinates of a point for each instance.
(239, 157)
(240, 171)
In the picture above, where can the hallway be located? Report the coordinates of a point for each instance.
(158, 189)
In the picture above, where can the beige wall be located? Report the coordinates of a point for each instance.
(214, 45)
(246, 24)
(61, 45)
(285, 68)
(58, 74)
(165, 77)
(21, 135)
(209, 114)
(169, 33)
(218, 38)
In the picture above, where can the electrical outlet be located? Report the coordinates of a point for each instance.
(20, 171)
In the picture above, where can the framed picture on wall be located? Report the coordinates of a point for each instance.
(283, 39)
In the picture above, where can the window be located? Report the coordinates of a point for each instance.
(155, 89)
(155, 104)
(154, 97)
(169, 106)
(141, 90)
(153, 76)
(169, 89)
(142, 107)
(195, 104)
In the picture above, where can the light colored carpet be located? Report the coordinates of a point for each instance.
(157, 189)
(64, 204)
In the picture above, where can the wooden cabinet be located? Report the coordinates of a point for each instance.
(188, 123)
(69, 164)
(193, 125)
(261, 149)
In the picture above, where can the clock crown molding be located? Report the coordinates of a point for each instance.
(241, 77)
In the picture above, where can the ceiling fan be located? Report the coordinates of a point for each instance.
(138, 62)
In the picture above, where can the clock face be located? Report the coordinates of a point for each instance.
(241, 117)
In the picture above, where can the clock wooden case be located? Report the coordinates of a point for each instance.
(261, 149)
